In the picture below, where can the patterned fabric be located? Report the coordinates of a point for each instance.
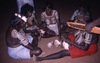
(51, 21)
(80, 16)
(81, 36)
(80, 53)
(20, 52)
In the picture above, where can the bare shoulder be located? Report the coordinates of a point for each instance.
(10, 41)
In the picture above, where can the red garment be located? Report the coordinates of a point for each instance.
(76, 52)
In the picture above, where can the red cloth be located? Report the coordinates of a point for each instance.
(76, 52)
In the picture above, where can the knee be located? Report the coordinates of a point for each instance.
(38, 51)
(35, 34)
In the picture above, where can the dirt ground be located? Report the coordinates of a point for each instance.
(65, 9)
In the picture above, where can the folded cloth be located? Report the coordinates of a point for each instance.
(50, 44)
(57, 43)
(19, 52)
(65, 45)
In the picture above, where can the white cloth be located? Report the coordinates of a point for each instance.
(51, 19)
(21, 36)
(81, 15)
(65, 45)
(20, 52)
(54, 27)
(55, 43)
(58, 43)
(50, 44)
(20, 3)
(31, 28)
(83, 37)
(48, 19)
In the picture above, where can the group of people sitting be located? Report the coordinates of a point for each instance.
(24, 31)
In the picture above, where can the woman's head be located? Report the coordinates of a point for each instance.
(27, 10)
(17, 21)
(83, 7)
(48, 6)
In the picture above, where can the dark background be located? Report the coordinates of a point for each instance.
(65, 7)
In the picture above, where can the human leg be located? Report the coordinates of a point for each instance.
(57, 55)
(35, 42)
(36, 51)
(35, 36)
(20, 52)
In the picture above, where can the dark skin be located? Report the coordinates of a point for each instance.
(27, 10)
(64, 53)
(34, 20)
(15, 42)
(35, 34)
(86, 18)
(12, 42)
(84, 47)
(49, 12)
(89, 26)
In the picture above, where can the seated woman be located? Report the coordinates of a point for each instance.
(50, 20)
(81, 14)
(27, 10)
(81, 44)
(31, 27)
(19, 45)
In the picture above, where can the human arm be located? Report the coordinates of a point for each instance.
(29, 46)
(43, 24)
(74, 16)
(89, 26)
(35, 20)
(82, 47)
(22, 39)
(30, 26)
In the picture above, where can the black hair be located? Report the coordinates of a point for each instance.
(86, 9)
(14, 20)
(48, 5)
(26, 8)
